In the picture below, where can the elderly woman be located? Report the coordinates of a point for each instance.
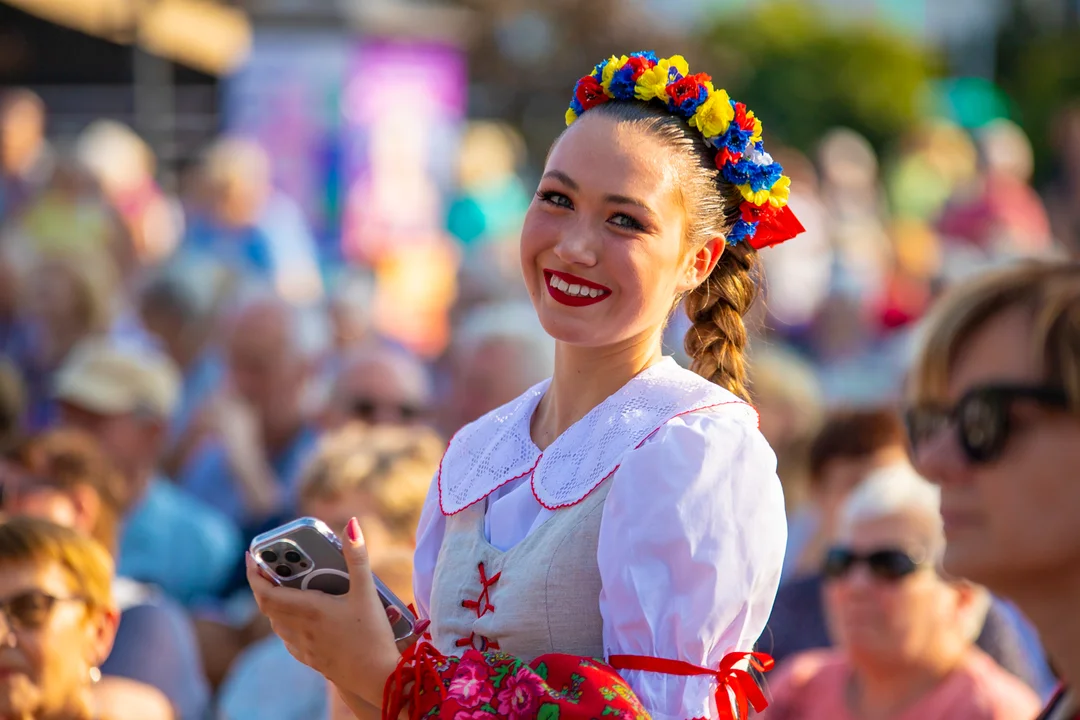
(904, 633)
(62, 476)
(59, 621)
(995, 421)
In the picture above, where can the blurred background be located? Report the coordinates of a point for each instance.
(232, 229)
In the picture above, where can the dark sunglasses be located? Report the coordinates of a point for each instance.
(888, 564)
(30, 610)
(370, 411)
(981, 418)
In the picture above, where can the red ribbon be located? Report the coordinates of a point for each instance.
(742, 684)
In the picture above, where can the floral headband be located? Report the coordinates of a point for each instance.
(765, 218)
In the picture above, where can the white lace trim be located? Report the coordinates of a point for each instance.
(498, 448)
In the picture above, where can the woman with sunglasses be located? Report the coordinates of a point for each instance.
(904, 635)
(57, 621)
(994, 419)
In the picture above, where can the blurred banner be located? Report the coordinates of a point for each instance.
(288, 98)
(404, 107)
(364, 135)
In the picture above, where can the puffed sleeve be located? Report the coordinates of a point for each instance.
(429, 537)
(690, 552)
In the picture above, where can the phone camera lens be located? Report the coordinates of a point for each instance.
(283, 570)
(269, 556)
(292, 556)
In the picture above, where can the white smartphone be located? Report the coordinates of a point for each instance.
(307, 555)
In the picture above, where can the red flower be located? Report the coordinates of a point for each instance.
(688, 88)
(589, 92)
(639, 65)
(744, 122)
(726, 156)
(754, 213)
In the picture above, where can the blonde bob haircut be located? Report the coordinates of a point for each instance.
(393, 466)
(88, 565)
(1048, 292)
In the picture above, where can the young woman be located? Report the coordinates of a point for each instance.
(995, 420)
(626, 509)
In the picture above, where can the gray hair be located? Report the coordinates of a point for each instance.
(896, 490)
(512, 322)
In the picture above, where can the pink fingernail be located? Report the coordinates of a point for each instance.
(353, 530)
(421, 626)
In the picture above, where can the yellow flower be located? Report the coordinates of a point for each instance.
(756, 137)
(777, 196)
(714, 115)
(613, 64)
(652, 82)
(571, 116)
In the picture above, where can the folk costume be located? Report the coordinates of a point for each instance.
(628, 569)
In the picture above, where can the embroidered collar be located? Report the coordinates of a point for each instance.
(498, 448)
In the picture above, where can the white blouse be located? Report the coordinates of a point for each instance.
(693, 529)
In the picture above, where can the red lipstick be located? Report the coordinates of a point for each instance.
(573, 290)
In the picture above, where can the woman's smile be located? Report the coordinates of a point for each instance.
(573, 290)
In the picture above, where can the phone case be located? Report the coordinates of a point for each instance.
(306, 554)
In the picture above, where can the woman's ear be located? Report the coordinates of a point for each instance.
(101, 629)
(702, 262)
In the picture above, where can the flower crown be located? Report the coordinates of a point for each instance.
(765, 218)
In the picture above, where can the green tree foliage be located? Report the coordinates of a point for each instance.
(804, 74)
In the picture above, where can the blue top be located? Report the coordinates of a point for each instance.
(257, 682)
(209, 476)
(179, 543)
(155, 644)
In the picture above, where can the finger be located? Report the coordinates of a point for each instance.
(356, 556)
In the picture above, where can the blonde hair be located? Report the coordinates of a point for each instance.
(86, 562)
(1048, 291)
(394, 465)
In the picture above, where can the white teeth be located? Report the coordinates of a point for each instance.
(575, 290)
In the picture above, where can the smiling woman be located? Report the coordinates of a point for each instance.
(625, 515)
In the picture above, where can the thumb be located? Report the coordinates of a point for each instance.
(356, 555)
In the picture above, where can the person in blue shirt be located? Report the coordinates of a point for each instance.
(257, 431)
(123, 395)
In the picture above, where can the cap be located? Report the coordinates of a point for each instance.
(104, 376)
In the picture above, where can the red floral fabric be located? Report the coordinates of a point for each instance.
(488, 685)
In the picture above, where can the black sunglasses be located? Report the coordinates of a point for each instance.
(887, 564)
(30, 610)
(370, 410)
(982, 418)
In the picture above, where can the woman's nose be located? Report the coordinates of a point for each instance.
(939, 458)
(576, 248)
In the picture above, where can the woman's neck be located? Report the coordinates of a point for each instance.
(1051, 604)
(877, 693)
(585, 377)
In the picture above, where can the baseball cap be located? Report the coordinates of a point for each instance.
(105, 376)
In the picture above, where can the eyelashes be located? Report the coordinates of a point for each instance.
(559, 200)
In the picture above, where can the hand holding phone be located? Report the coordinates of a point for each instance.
(306, 554)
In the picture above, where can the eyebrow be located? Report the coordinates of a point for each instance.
(616, 199)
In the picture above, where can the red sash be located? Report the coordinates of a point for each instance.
(740, 682)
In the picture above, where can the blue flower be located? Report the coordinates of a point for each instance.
(739, 173)
(623, 85)
(598, 70)
(575, 105)
(740, 231)
(647, 54)
(734, 139)
(765, 176)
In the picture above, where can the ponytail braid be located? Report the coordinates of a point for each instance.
(717, 340)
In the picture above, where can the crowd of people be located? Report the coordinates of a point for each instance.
(178, 375)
